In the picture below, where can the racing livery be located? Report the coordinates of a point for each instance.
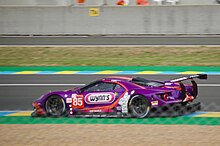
(119, 97)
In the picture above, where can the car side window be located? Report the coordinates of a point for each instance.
(101, 87)
(118, 87)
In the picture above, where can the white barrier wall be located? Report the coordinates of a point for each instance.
(110, 20)
(94, 2)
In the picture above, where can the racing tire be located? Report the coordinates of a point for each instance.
(139, 106)
(55, 106)
(195, 88)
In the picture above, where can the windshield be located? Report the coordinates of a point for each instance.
(88, 85)
(145, 82)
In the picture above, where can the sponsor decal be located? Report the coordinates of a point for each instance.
(68, 100)
(124, 103)
(95, 111)
(94, 12)
(168, 84)
(119, 108)
(99, 98)
(77, 101)
(154, 102)
(74, 95)
(132, 92)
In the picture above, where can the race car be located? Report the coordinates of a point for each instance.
(118, 96)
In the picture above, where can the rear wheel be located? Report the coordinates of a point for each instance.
(55, 106)
(139, 106)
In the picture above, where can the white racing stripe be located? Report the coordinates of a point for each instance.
(201, 85)
(209, 85)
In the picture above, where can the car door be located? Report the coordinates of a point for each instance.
(101, 94)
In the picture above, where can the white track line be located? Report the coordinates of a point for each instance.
(201, 85)
(209, 85)
(16, 111)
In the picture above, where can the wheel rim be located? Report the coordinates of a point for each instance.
(55, 106)
(140, 106)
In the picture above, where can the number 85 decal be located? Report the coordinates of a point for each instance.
(77, 101)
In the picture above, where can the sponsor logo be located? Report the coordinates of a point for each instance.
(68, 100)
(132, 92)
(168, 84)
(95, 111)
(124, 103)
(119, 108)
(99, 98)
(154, 102)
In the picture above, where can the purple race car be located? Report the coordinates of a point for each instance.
(119, 97)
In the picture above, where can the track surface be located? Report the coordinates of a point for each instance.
(102, 40)
(21, 97)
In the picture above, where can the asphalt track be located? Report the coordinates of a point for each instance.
(17, 92)
(110, 40)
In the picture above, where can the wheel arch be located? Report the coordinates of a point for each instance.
(55, 94)
(129, 104)
(139, 94)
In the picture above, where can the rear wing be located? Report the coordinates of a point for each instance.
(199, 76)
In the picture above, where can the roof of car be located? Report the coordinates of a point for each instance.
(118, 78)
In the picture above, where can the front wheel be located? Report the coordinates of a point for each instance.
(139, 106)
(55, 106)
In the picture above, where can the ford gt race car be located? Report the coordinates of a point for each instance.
(120, 97)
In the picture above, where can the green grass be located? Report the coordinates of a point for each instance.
(175, 120)
(109, 56)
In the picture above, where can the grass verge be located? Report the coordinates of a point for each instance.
(110, 56)
(166, 121)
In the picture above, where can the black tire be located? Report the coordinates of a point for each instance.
(55, 106)
(139, 106)
(195, 88)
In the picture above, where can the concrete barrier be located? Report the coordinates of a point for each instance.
(110, 20)
(94, 2)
